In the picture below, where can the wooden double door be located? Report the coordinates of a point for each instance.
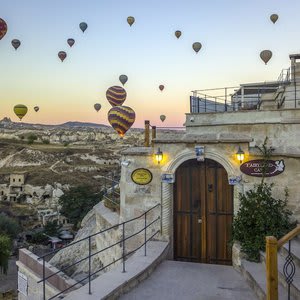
(203, 212)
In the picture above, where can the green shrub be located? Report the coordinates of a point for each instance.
(51, 228)
(260, 215)
(9, 227)
(45, 141)
(39, 238)
(77, 202)
(5, 249)
(31, 138)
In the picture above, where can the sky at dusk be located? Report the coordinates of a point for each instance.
(232, 34)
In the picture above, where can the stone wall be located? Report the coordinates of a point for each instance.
(136, 199)
(30, 266)
(98, 219)
(221, 134)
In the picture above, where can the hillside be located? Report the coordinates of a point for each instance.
(68, 156)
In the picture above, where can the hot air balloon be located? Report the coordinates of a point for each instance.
(3, 28)
(116, 95)
(16, 43)
(161, 87)
(20, 110)
(130, 20)
(121, 118)
(71, 42)
(123, 79)
(274, 18)
(83, 26)
(36, 108)
(97, 106)
(197, 46)
(266, 55)
(62, 55)
(178, 33)
(162, 117)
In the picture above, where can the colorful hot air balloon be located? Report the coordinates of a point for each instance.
(274, 18)
(3, 28)
(178, 33)
(130, 20)
(83, 26)
(20, 110)
(36, 108)
(197, 46)
(97, 106)
(266, 55)
(71, 42)
(161, 87)
(123, 79)
(121, 118)
(62, 55)
(116, 95)
(162, 117)
(16, 43)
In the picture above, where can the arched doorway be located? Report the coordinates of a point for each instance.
(203, 212)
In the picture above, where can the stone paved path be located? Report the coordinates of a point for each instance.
(191, 281)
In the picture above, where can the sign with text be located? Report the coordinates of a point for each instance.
(22, 283)
(199, 150)
(168, 178)
(233, 180)
(141, 176)
(255, 167)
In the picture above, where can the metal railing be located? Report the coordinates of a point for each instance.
(247, 96)
(284, 76)
(289, 268)
(88, 239)
(110, 192)
(283, 98)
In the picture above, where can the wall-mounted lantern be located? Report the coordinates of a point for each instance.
(159, 156)
(240, 155)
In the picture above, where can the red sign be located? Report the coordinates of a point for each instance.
(255, 167)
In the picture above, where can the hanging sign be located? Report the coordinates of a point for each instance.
(141, 176)
(255, 167)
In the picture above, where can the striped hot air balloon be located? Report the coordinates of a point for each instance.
(20, 110)
(116, 95)
(121, 118)
(3, 28)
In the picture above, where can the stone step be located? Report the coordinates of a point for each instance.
(255, 275)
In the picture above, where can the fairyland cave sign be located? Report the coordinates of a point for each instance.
(255, 167)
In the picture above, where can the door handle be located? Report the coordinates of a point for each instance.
(199, 221)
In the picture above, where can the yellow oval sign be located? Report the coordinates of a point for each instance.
(141, 176)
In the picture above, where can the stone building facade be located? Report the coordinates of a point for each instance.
(205, 184)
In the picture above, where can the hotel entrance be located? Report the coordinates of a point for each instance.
(203, 213)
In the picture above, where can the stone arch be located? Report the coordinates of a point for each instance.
(189, 154)
(167, 189)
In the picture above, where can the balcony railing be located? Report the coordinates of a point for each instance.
(285, 93)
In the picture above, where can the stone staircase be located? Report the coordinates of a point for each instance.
(255, 273)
